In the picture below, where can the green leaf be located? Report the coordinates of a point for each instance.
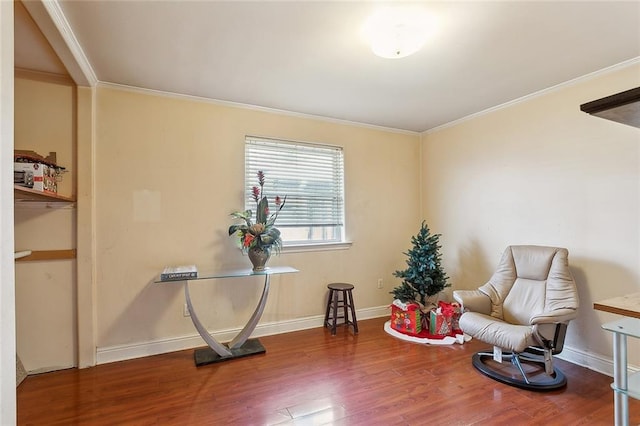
(245, 215)
(235, 228)
(263, 208)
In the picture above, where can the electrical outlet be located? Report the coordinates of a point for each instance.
(380, 285)
(185, 311)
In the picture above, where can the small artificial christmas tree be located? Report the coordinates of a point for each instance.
(424, 276)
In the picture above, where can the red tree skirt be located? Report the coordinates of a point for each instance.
(426, 338)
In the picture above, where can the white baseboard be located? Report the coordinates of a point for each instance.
(592, 361)
(138, 350)
(104, 355)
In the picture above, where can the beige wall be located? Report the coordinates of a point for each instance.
(542, 172)
(168, 173)
(45, 290)
(169, 170)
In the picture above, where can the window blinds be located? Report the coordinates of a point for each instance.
(310, 176)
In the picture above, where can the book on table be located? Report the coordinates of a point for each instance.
(177, 273)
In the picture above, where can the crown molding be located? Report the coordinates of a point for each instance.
(174, 95)
(61, 23)
(48, 16)
(581, 79)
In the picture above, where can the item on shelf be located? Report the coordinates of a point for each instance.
(259, 237)
(406, 317)
(259, 256)
(178, 273)
(32, 170)
(23, 178)
(44, 177)
(25, 156)
(21, 254)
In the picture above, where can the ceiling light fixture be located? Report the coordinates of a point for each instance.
(396, 32)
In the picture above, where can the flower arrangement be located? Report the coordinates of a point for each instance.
(262, 234)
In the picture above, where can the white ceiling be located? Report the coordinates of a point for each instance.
(309, 57)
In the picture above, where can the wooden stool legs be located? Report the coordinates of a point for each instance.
(335, 303)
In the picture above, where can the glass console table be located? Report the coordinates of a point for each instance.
(241, 345)
(624, 386)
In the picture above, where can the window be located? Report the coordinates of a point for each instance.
(311, 177)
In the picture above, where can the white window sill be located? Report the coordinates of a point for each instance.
(301, 248)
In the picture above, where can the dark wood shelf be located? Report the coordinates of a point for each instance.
(623, 107)
(22, 193)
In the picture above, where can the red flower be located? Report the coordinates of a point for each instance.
(263, 232)
(248, 238)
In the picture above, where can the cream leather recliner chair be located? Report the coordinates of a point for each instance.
(523, 311)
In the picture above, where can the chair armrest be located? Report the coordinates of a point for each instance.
(557, 316)
(473, 300)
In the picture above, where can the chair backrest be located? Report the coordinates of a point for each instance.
(530, 280)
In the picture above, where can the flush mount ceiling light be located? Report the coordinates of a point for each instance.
(396, 32)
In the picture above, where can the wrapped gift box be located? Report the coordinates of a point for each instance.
(444, 320)
(455, 321)
(439, 324)
(406, 318)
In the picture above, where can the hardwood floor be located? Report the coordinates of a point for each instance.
(313, 378)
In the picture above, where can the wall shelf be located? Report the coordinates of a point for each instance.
(623, 107)
(37, 255)
(22, 193)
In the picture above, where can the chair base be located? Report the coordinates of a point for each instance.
(538, 381)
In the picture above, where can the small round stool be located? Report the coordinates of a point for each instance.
(335, 303)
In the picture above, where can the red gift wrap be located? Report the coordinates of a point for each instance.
(406, 321)
(455, 321)
(409, 319)
(444, 319)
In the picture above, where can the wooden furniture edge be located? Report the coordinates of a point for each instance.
(612, 101)
(49, 255)
(27, 194)
(616, 310)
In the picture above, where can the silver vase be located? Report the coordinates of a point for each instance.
(259, 257)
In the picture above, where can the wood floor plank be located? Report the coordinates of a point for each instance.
(311, 377)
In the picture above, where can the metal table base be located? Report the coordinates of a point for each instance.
(241, 345)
